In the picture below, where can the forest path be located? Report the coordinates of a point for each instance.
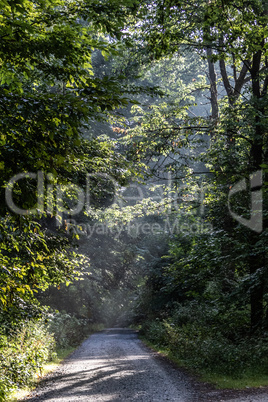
(114, 365)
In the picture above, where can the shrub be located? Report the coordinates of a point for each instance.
(22, 355)
(155, 332)
(69, 330)
(199, 341)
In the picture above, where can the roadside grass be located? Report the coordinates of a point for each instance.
(250, 379)
(49, 367)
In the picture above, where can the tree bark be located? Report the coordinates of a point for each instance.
(257, 262)
(213, 85)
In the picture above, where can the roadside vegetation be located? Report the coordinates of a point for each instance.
(193, 339)
(28, 352)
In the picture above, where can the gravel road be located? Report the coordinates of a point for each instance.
(114, 365)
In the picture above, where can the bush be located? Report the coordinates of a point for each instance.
(155, 332)
(196, 337)
(69, 330)
(22, 355)
(25, 350)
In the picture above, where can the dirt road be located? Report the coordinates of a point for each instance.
(114, 365)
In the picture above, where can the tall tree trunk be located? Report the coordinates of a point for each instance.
(257, 287)
(213, 85)
(256, 261)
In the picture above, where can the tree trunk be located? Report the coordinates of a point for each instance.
(213, 85)
(256, 261)
(257, 289)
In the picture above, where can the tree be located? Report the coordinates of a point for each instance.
(48, 96)
(232, 37)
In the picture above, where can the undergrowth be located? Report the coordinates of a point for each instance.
(22, 355)
(24, 351)
(220, 354)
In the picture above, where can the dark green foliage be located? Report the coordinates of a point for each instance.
(205, 339)
(225, 270)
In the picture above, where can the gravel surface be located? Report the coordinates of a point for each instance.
(114, 365)
(260, 398)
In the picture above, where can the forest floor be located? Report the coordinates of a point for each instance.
(114, 365)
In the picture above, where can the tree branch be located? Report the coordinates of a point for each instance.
(242, 78)
(225, 80)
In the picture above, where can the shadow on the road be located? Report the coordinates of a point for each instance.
(109, 374)
(113, 380)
